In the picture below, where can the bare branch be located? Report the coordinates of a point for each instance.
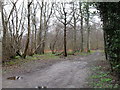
(12, 10)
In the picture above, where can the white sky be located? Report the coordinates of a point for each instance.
(0, 26)
(8, 8)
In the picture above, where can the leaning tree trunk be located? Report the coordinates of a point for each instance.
(28, 36)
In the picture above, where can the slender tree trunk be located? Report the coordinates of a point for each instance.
(45, 33)
(4, 36)
(81, 30)
(74, 43)
(28, 36)
(105, 44)
(82, 38)
(52, 48)
(35, 44)
(63, 16)
(74, 30)
(97, 40)
(54, 41)
(65, 42)
(88, 28)
(47, 16)
(88, 41)
(43, 45)
(40, 31)
(105, 39)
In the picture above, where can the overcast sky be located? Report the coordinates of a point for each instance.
(8, 7)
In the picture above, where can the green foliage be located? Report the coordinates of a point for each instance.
(42, 56)
(99, 76)
(47, 56)
(16, 57)
(31, 58)
(102, 79)
(105, 80)
(111, 18)
(116, 67)
(13, 62)
(70, 52)
(85, 53)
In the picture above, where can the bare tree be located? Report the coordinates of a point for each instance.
(74, 25)
(55, 39)
(24, 33)
(33, 29)
(47, 15)
(5, 42)
(63, 14)
(16, 29)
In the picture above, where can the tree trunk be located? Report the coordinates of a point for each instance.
(74, 29)
(74, 43)
(81, 30)
(88, 41)
(40, 31)
(4, 54)
(28, 36)
(88, 27)
(65, 42)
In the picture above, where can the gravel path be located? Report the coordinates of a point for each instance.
(68, 73)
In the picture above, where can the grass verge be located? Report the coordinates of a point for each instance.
(19, 60)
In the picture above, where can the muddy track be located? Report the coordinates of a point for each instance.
(71, 73)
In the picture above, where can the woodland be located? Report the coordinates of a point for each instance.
(35, 27)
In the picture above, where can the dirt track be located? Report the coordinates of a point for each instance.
(64, 74)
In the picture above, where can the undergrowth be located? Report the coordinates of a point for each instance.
(102, 79)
